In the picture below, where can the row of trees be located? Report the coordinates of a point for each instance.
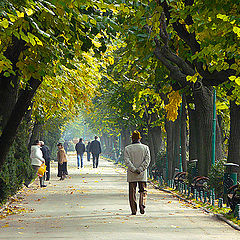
(52, 54)
(157, 62)
(171, 56)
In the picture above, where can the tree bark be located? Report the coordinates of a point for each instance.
(9, 85)
(203, 99)
(170, 159)
(35, 134)
(17, 114)
(184, 134)
(234, 142)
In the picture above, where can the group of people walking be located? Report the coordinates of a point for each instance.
(93, 148)
(136, 156)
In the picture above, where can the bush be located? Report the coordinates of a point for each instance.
(16, 167)
(160, 163)
(216, 175)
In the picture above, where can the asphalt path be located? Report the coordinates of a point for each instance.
(93, 204)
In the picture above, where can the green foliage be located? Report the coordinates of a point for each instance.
(161, 161)
(17, 166)
(216, 175)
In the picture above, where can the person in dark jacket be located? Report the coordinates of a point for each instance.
(95, 149)
(46, 155)
(80, 148)
(88, 152)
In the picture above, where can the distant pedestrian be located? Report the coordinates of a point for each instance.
(46, 156)
(80, 148)
(62, 162)
(66, 145)
(37, 160)
(95, 149)
(88, 152)
(137, 159)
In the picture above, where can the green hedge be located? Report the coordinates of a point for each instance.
(16, 167)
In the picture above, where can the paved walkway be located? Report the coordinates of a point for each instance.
(93, 204)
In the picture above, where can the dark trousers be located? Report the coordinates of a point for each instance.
(88, 156)
(80, 157)
(132, 195)
(95, 160)
(35, 170)
(47, 175)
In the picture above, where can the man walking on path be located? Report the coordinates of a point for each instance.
(137, 159)
(80, 148)
(46, 156)
(95, 149)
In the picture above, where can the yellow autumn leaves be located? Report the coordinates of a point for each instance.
(171, 108)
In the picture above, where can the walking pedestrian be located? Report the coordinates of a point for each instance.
(46, 156)
(80, 148)
(37, 160)
(88, 152)
(62, 162)
(95, 149)
(137, 159)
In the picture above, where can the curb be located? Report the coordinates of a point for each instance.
(217, 215)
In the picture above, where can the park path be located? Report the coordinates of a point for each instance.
(93, 204)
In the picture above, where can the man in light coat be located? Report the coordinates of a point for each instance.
(137, 159)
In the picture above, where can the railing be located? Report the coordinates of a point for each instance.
(201, 196)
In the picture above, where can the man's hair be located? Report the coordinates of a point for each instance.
(136, 135)
(59, 144)
(80, 139)
(96, 137)
(36, 142)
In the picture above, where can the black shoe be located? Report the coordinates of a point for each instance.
(47, 179)
(26, 185)
(142, 211)
(134, 213)
(43, 185)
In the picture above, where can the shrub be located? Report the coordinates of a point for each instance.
(216, 175)
(160, 163)
(16, 167)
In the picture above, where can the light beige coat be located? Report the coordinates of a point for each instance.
(137, 156)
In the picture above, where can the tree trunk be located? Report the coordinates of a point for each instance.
(176, 144)
(17, 114)
(203, 100)
(170, 158)
(184, 134)
(35, 134)
(9, 85)
(234, 142)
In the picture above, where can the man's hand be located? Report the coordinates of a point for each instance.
(137, 171)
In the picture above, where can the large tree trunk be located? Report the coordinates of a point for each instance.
(234, 141)
(184, 134)
(203, 99)
(17, 114)
(9, 85)
(35, 134)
